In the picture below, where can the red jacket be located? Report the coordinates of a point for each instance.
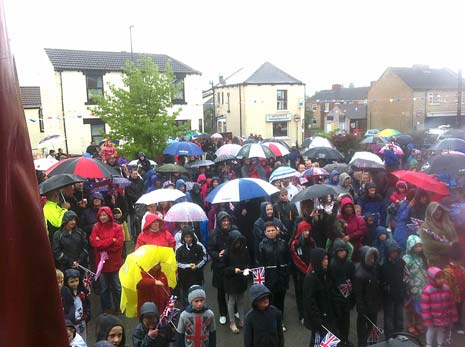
(101, 240)
(355, 225)
(300, 248)
(397, 196)
(147, 290)
(159, 238)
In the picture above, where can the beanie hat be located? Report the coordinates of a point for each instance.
(196, 292)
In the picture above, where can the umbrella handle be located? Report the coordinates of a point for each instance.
(62, 196)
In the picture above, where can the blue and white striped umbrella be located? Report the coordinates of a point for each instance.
(283, 172)
(183, 148)
(241, 189)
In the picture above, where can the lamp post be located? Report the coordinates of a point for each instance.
(214, 106)
(130, 39)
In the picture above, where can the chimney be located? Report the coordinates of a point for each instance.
(336, 87)
(221, 79)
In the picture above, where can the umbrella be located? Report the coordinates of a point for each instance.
(278, 149)
(191, 134)
(247, 141)
(203, 136)
(404, 139)
(255, 150)
(277, 140)
(371, 132)
(228, 149)
(315, 191)
(171, 168)
(200, 163)
(160, 195)
(373, 140)
(216, 136)
(449, 143)
(455, 133)
(186, 212)
(107, 184)
(422, 180)
(397, 150)
(307, 142)
(50, 140)
(144, 257)
(44, 164)
(134, 162)
(84, 167)
(367, 156)
(283, 172)
(222, 158)
(448, 162)
(58, 181)
(325, 153)
(320, 142)
(183, 148)
(366, 165)
(241, 189)
(314, 172)
(339, 167)
(388, 133)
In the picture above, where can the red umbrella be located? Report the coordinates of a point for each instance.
(82, 166)
(423, 181)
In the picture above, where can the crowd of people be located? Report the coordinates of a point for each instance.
(379, 245)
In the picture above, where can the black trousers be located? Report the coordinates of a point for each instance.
(222, 304)
(393, 318)
(342, 312)
(277, 299)
(364, 328)
(298, 278)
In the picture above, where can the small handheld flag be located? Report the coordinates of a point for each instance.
(169, 312)
(258, 275)
(330, 340)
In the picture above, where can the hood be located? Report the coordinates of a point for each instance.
(380, 230)
(148, 308)
(258, 291)
(233, 236)
(301, 227)
(342, 177)
(340, 245)
(369, 185)
(365, 252)
(411, 242)
(150, 218)
(432, 273)
(332, 174)
(141, 154)
(401, 183)
(70, 324)
(69, 215)
(71, 273)
(96, 195)
(107, 210)
(346, 201)
(188, 230)
(316, 258)
(433, 207)
(201, 178)
(263, 210)
(179, 183)
(105, 322)
(392, 245)
(221, 216)
(195, 189)
(217, 179)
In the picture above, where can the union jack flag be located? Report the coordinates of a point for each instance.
(346, 288)
(88, 280)
(258, 275)
(373, 337)
(169, 312)
(330, 340)
(415, 225)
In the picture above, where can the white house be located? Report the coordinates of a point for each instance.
(73, 77)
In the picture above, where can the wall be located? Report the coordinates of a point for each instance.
(33, 127)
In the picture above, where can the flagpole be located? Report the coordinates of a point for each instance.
(86, 269)
(329, 331)
(374, 325)
(162, 287)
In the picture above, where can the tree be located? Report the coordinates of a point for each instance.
(140, 112)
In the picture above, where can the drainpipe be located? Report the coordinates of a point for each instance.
(63, 113)
(240, 111)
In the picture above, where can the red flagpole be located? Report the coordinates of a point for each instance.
(30, 304)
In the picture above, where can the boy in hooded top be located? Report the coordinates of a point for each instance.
(380, 244)
(191, 258)
(108, 237)
(196, 326)
(318, 298)
(110, 328)
(287, 213)
(342, 271)
(267, 215)
(345, 184)
(300, 248)
(367, 293)
(154, 233)
(263, 323)
(147, 332)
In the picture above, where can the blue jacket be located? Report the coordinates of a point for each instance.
(373, 205)
(402, 231)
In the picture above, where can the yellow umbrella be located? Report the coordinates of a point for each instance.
(144, 257)
(388, 133)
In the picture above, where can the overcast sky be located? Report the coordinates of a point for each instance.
(318, 42)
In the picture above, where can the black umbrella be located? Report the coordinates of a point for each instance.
(455, 133)
(403, 139)
(451, 144)
(200, 163)
(339, 167)
(171, 168)
(448, 162)
(222, 158)
(249, 141)
(307, 142)
(315, 191)
(366, 165)
(324, 153)
(59, 181)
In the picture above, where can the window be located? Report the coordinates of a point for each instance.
(314, 107)
(218, 98)
(433, 98)
(96, 132)
(280, 129)
(281, 96)
(94, 85)
(326, 107)
(229, 105)
(179, 97)
(200, 126)
(222, 98)
(183, 122)
(41, 121)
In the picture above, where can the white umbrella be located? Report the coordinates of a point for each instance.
(320, 142)
(228, 149)
(217, 136)
(160, 195)
(134, 163)
(283, 172)
(43, 164)
(367, 156)
(185, 212)
(241, 189)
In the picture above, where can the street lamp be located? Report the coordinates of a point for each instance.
(214, 106)
(130, 39)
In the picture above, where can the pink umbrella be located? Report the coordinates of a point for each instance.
(103, 258)
(314, 172)
(278, 149)
(452, 152)
(397, 150)
(185, 212)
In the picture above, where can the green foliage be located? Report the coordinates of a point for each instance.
(345, 143)
(138, 112)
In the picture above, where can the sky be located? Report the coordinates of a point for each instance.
(319, 42)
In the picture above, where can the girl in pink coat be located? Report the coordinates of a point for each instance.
(354, 226)
(437, 307)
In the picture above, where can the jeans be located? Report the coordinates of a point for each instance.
(236, 301)
(110, 287)
(393, 318)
